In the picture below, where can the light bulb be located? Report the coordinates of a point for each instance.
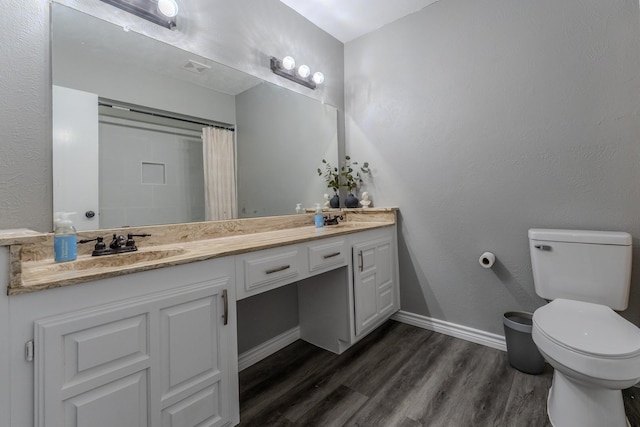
(318, 78)
(288, 63)
(168, 8)
(304, 71)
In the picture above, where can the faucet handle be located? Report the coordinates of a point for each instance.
(100, 247)
(131, 242)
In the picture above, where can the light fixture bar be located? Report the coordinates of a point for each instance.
(277, 68)
(145, 9)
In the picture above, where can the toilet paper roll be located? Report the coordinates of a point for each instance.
(487, 260)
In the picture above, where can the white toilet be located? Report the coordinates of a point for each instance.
(594, 351)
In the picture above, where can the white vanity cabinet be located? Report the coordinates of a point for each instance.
(164, 356)
(340, 306)
(158, 348)
(375, 286)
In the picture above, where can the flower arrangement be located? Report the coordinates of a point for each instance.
(331, 175)
(353, 177)
(347, 176)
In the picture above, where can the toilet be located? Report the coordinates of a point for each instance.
(595, 352)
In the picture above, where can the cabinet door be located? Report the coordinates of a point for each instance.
(373, 284)
(150, 361)
(192, 362)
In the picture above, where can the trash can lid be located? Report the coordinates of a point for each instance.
(519, 320)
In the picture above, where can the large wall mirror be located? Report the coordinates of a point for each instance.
(128, 114)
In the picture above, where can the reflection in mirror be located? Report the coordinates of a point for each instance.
(138, 158)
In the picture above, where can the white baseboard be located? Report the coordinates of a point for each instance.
(266, 349)
(477, 336)
(463, 332)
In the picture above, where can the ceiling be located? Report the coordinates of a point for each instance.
(79, 35)
(348, 20)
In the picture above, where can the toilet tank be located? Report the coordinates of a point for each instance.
(591, 266)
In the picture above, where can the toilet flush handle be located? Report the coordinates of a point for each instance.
(543, 247)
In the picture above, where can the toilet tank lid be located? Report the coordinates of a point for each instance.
(581, 236)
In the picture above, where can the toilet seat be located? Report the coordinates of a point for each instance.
(588, 338)
(592, 329)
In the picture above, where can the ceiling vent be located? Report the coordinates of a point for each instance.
(196, 67)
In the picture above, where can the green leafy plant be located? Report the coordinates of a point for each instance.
(330, 175)
(349, 176)
(352, 173)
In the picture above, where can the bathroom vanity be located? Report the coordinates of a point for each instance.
(149, 338)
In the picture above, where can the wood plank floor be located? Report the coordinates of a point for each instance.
(399, 375)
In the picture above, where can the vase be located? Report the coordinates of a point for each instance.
(351, 201)
(335, 201)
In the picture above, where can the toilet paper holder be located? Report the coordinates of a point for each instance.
(487, 260)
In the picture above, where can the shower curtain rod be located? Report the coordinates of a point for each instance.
(134, 109)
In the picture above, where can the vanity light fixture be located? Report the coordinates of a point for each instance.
(318, 78)
(168, 8)
(304, 71)
(288, 63)
(302, 75)
(161, 12)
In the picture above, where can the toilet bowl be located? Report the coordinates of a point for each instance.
(586, 275)
(595, 354)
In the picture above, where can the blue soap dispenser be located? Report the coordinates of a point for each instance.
(318, 216)
(65, 241)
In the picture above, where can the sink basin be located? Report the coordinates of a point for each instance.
(124, 259)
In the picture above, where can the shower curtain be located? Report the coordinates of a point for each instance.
(219, 173)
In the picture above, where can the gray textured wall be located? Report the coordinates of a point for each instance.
(25, 124)
(483, 119)
(241, 34)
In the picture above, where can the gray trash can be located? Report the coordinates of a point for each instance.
(521, 350)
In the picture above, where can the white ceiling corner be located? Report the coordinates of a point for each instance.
(348, 20)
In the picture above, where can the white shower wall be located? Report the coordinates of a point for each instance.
(149, 174)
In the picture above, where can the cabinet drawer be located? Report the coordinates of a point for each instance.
(269, 269)
(327, 254)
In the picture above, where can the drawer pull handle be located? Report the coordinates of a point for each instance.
(360, 262)
(225, 300)
(275, 270)
(335, 254)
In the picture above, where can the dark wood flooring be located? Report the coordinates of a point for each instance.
(399, 375)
